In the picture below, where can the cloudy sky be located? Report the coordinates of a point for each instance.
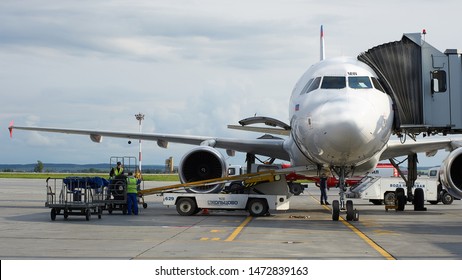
(192, 67)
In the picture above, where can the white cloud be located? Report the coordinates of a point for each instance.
(191, 66)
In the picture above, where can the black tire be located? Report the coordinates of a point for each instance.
(401, 198)
(389, 198)
(257, 207)
(87, 214)
(335, 210)
(53, 214)
(447, 198)
(419, 199)
(186, 206)
(66, 214)
(145, 205)
(296, 188)
(119, 187)
(350, 211)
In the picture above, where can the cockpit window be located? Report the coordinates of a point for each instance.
(333, 82)
(304, 90)
(314, 85)
(377, 84)
(359, 82)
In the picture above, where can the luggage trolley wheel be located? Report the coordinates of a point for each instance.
(87, 214)
(100, 212)
(53, 214)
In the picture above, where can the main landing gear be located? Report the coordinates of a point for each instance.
(341, 205)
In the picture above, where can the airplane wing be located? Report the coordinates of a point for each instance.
(271, 147)
(430, 145)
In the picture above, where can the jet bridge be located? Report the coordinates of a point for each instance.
(424, 83)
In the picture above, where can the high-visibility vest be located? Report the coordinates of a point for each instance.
(131, 185)
(118, 172)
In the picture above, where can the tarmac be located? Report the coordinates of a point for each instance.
(305, 232)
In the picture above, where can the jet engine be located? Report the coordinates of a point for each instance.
(450, 173)
(202, 163)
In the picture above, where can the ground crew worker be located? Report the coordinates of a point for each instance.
(132, 194)
(323, 187)
(117, 171)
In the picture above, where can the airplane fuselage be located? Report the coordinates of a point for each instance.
(339, 115)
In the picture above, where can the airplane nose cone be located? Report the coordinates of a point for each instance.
(349, 132)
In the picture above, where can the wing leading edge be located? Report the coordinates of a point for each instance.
(395, 148)
(267, 147)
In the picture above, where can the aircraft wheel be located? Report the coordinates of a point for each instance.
(257, 207)
(335, 210)
(186, 206)
(401, 199)
(53, 214)
(419, 200)
(350, 211)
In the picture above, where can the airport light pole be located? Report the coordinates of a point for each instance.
(139, 117)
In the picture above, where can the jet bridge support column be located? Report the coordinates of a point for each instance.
(411, 175)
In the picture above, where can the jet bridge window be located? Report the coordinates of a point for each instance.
(359, 82)
(314, 85)
(438, 81)
(333, 82)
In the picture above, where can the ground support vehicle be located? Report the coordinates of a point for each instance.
(390, 191)
(257, 193)
(72, 196)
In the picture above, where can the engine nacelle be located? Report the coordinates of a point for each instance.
(202, 163)
(450, 173)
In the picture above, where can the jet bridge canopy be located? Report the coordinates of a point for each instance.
(424, 83)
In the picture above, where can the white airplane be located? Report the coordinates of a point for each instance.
(340, 119)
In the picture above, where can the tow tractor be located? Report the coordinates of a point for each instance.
(258, 193)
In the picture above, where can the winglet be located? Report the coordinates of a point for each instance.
(10, 128)
(322, 51)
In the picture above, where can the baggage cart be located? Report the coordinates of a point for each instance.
(74, 196)
(116, 196)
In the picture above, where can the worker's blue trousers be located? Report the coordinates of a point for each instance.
(132, 203)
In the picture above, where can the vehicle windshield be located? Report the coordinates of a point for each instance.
(333, 82)
(359, 82)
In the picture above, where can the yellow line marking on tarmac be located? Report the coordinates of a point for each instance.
(363, 236)
(239, 229)
(369, 241)
(211, 239)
